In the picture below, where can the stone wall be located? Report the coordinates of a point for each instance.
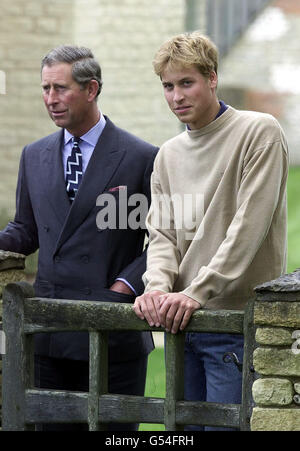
(276, 359)
(27, 31)
(124, 37)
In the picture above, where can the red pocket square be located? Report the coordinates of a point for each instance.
(117, 188)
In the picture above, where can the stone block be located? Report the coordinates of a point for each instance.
(273, 336)
(280, 314)
(276, 362)
(47, 25)
(22, 24)
(275, 419)
(11, 260)
(273, 392)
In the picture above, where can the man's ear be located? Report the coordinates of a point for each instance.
(93, 88)
(213, 80)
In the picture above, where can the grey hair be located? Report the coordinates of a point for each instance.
(84, 66)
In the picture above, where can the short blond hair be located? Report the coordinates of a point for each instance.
(186, 50)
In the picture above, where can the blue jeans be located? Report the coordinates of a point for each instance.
(206, 376)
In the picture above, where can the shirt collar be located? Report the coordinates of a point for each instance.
(222, 109)
(92, 136)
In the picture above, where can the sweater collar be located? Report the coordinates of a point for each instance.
(214, 125)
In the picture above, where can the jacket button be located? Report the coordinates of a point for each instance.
(87, 290)
(57, 259)
(85, 259)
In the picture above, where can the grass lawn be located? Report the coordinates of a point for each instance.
(156, 383)
(156, 386)
(294, 219)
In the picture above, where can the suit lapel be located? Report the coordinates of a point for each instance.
(104, 162)
(53, 181)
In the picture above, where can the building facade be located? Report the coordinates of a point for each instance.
(124, 37)
(259, 71)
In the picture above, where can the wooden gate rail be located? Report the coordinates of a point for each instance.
(24, 406)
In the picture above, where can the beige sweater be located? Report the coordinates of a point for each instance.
(234, 172)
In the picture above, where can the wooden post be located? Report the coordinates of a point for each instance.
(11, 270)
(98, 377)
(248, 370)
(18, 346)
(174, 378)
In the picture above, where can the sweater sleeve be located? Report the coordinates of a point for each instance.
(163, 256)
(263, 181)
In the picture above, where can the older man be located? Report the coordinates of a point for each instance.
(60, 179)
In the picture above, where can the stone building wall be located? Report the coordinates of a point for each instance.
(262, 70)
(27, 30)
(124, 37)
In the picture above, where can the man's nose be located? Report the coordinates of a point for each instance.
(51, 96)
(178, 94)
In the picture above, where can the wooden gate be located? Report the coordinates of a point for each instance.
(24, 406)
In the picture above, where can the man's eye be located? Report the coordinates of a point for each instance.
(168, 86)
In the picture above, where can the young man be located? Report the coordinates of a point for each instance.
(229, 170)
(60, 179)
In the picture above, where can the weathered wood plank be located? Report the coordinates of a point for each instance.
(44, 315)
(45, 406)
(131, 409)
(54, 406)
(219, 321)
(208, 414)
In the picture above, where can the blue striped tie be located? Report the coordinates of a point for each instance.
(74, 170)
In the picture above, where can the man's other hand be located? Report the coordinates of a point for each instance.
(147, 307)
(176, 310)
(121, 287)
